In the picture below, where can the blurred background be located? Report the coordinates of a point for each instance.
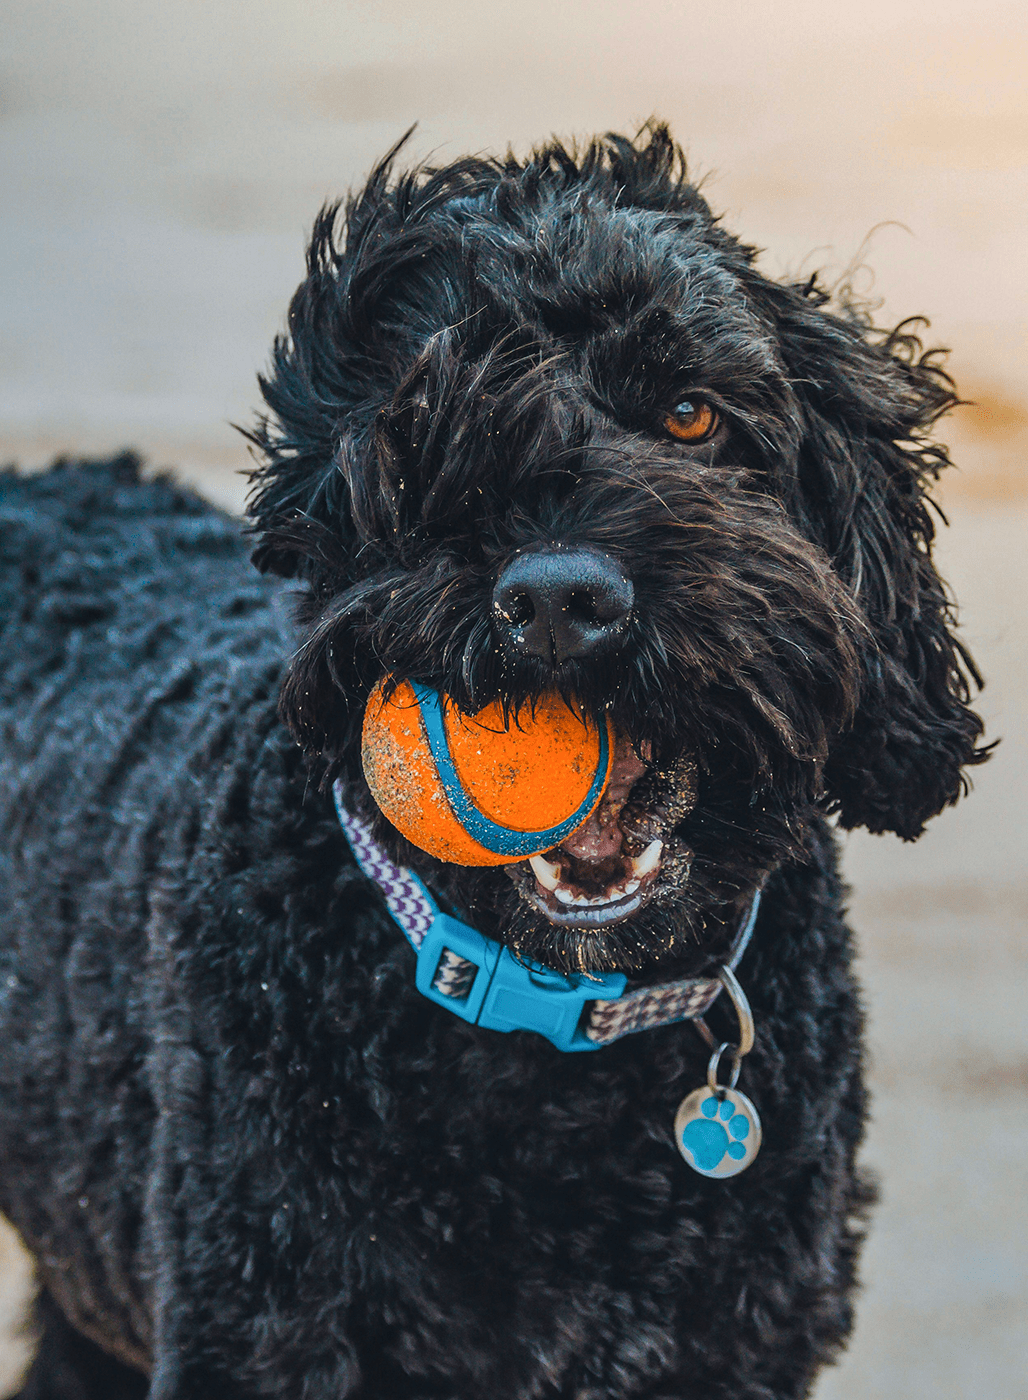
(160, 165)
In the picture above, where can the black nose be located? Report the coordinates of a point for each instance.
(561, 602)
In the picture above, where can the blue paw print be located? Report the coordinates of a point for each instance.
(720, 1130)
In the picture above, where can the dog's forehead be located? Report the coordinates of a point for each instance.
(581, 270)
(614, 261)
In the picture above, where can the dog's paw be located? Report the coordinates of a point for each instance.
(718, 1136)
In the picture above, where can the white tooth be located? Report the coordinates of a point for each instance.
(631, 887)
(564, 895)
(548, 875)
(649, 860)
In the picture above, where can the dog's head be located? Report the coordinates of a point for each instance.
(544, 425)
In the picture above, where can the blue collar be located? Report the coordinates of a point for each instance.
(478, 979)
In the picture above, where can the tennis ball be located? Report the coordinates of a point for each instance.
(474, 790)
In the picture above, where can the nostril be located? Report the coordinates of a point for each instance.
(598, 608)
(583, 605)
(515, 608)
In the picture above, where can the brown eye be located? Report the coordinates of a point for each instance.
(692, 421)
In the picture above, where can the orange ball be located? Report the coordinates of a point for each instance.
(474, 790)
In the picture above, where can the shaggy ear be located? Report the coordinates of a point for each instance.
(319, 372)
(866, 403)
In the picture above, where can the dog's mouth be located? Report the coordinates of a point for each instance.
(611, 866)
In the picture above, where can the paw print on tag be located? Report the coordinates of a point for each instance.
(717, 1134)
(706, 1137)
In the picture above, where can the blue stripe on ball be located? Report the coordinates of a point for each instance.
(501, 840)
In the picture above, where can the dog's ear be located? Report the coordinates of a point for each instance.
(862, 463)
(319, 373)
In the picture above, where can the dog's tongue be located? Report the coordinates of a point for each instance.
(601, 836)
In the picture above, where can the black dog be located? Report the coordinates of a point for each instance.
(535, 426)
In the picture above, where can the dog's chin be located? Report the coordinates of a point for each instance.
(601, 916)
(679, 917)
(652, 932)
(579, 894)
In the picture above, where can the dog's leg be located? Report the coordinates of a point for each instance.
(68, 1366)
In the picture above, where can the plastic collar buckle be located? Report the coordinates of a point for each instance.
(507, 995)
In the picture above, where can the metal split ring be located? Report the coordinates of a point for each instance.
(714, 1063)
(730, 982)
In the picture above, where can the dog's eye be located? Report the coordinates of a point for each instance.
(692, 421)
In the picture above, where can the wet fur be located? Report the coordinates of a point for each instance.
(250, 1159)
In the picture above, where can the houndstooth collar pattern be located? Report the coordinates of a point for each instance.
(603, 1021)
(406, 897)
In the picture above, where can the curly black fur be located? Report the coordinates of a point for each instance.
(250, 1158)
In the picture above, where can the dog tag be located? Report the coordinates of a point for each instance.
(718, 1134)
(717, 1129)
